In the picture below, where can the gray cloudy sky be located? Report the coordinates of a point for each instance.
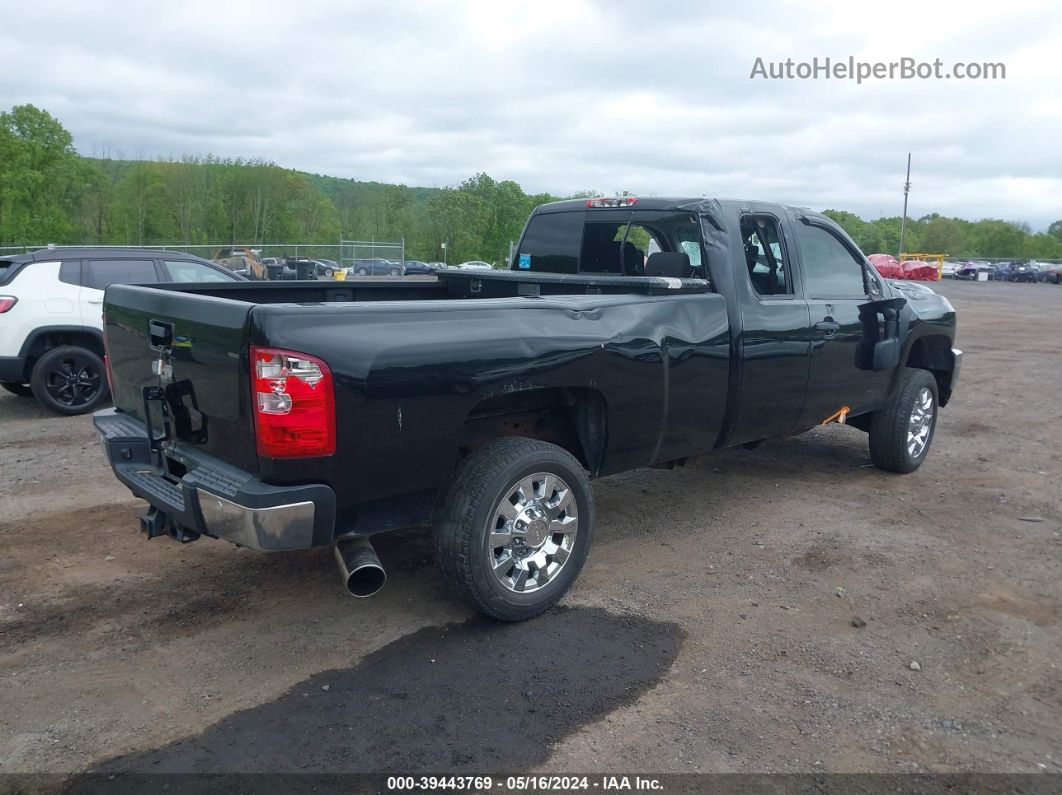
(651, 97)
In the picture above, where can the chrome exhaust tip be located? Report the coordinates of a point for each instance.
(359, 567)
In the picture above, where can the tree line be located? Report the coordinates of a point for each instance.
(51, 194)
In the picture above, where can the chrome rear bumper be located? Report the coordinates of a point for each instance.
(211, 497)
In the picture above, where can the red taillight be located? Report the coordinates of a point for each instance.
(613, 201)
(6, 302)
(293, 403)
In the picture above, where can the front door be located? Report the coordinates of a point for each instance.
(835, 288)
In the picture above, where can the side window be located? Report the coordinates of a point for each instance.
(104, 272)
(70, 271)
(688, 237)
(624, 247)
(768, 266)
(551, 243)
(830, 269)
(192, 271)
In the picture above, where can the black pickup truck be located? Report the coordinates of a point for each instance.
(627, 333)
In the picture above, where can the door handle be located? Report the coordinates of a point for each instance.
(829, 327)
(91, 301)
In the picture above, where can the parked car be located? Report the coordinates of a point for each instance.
(414, 267)
(51, 316)
(948, 269)
(887, 265)
(969, 271)
(327, 268)
(919, 271)
(247, 260)
(1052, 274)
(318, 426)
(376, 267)
(475, 264)
(1017, 271)
(1042, 269)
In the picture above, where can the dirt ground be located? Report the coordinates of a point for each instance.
(712, 629)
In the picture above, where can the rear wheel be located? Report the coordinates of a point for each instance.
(15, 388)
(902, 431)
(516, 527)
(362, 272)
(70, 380)
(394, 272)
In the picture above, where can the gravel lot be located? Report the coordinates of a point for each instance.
(713, 628)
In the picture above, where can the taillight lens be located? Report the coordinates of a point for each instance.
(293, 403)
(6, 302)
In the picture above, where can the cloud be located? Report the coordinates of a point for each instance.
(563, 96)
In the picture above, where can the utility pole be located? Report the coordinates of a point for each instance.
(906, 190)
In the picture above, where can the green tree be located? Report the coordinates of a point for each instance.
(996, 238)
(41, 178)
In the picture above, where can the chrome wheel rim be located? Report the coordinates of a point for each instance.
(920, 423)
(532, 533)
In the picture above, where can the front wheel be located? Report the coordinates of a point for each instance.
(902, 431)
(516, 527)
(394, 272)
(362, 272)
(15, 388)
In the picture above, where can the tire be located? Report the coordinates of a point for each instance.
(395, 272)
(473, 507)
(891, 445)
(15, 388)
(362, 272)
(329, 273)
(70, 380)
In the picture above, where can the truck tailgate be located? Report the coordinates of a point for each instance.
(194, 347)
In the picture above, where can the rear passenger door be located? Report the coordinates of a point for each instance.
(97, 274)
(835, 287)
(774, 328)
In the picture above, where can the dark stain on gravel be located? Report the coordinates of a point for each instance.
(475, 697)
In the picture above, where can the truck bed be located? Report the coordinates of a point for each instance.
(445, 285)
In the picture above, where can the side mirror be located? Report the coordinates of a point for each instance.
(886, 354)
(881, 345)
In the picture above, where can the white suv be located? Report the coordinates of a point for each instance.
(51, 316)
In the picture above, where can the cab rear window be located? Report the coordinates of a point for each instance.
(617, 242)
(551, 243)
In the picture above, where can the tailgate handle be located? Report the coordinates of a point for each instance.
(160, 334)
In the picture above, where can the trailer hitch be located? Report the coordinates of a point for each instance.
(155, 523)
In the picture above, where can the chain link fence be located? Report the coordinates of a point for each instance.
(352, 252)
(344, 252)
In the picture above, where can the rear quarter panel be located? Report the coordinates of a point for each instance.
(408, 374)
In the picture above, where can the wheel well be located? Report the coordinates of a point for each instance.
(44, 341)
(933, 353)
(574, 418)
